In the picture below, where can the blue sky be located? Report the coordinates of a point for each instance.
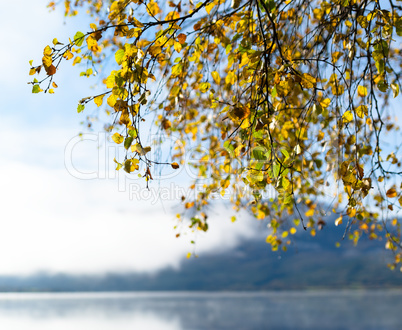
(52, 219)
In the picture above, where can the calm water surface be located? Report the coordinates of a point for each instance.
(192, 310)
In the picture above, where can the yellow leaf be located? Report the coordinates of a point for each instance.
(320, 136)
(347, 117)
(362, 91)
(325, 103)
(166, 123)
(338, 221)
(111, 100)
(153, 8)
(395, 89)
(125, 119)
(91, 42)
(189, 205)
(371, 16)
(137, 23)
(188, 255)
(99, 100)
(177, 46)
(146, 150)
(77, 60)
(110, 81)
(93, 26)
(204, 87)
(130, 165)
(32, 71)
(51, 91)
(139, 149)
(239, 113)
(47, 61)
(216, 77)
(230, 78)
(209, 7)
(308, 81)
(235, 4)
(293, 230)
(68, 55)
(391, 193)
(310, 213)
(47, 51)
(362, 111)
(362, 20)
(351, 212)
(175, 165)
(336, 56)
(118, 138)
(54, 84)
(337, 89)
(176, 69)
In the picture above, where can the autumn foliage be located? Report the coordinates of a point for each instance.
(291, 97)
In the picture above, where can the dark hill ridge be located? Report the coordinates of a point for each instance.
(311, 263)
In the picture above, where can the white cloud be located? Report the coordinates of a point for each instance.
(54, 222)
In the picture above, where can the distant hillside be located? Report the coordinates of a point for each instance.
(312, 262)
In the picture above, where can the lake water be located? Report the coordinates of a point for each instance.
(202, 310)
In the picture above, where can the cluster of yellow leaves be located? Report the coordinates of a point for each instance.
(284, 97)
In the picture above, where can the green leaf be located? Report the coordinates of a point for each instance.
(176, 69)
(274, 92)
(119, 56)
(228, 146)
(382, 86)
(132, 133)
(259, 153)
(380, 65)
(276, 169)
(80, 108)
(35, 89)
(270, 4)
(128, 166)
(79, 38)
(285, 153)
(128, 141)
